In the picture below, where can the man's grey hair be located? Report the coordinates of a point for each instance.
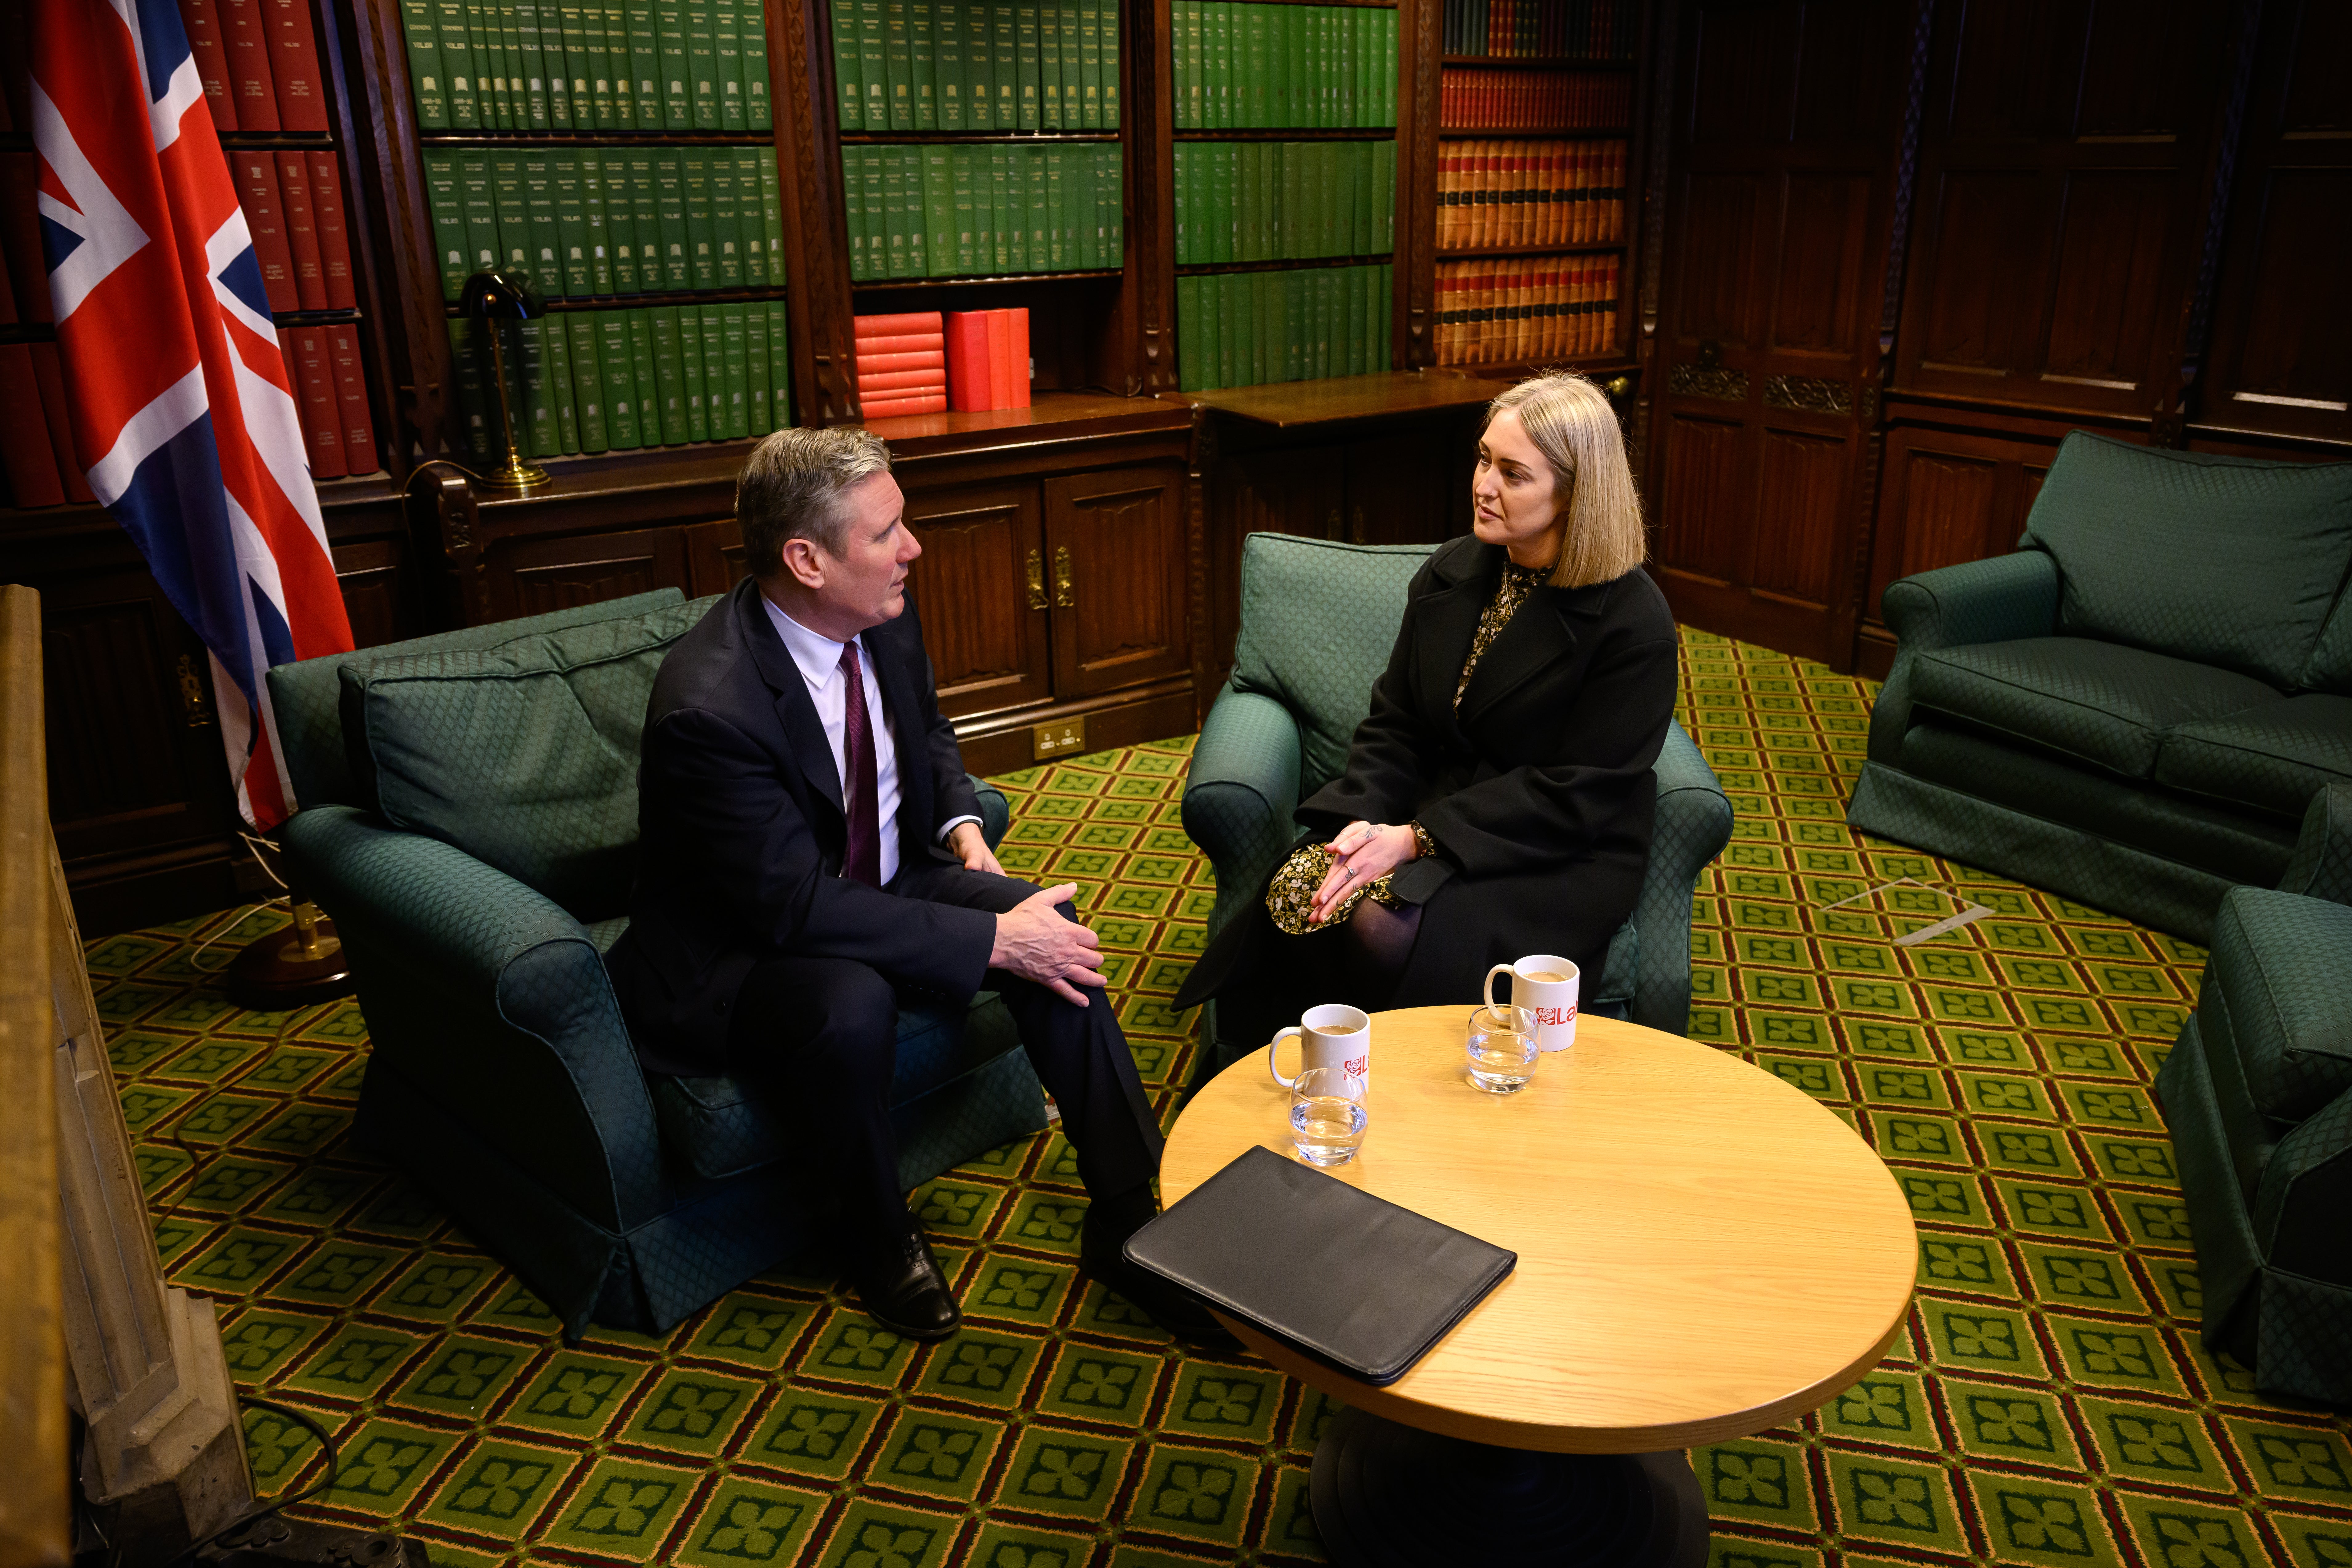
(797, 485)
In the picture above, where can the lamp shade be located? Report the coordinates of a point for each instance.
(502, 295)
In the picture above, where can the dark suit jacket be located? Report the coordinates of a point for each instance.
(741, 835)
(1537, 791)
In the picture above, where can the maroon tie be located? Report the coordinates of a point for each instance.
(863, 858)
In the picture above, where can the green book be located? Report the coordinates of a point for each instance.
(1004, 239)
(1388, 67)
(702, 240)
(555, 347)
(574, 17)
(771, 210)
(1024, 63)
(1250, 362)
(1073, 77)
(780, 366)
(1219, 233)
(1049, 65)
(1302, 66)
(1003, 50)
(1115, 207)
(731, 406)
(480, 206)
(939, 210)
(923, 67)
(449, 242)
(507, 201)
(418, 27)
(1185, 20)
(1383, 197)
(624, 63)
(1227, 330)
(620, 379)
(1244, 196)
(669, 377)
(544, 238)
(647, 401)
(1078, 191)
(644, 214)
(620, 222)
(947, 61)
(979, 73)
(1057, 228)
(898, 66)
(917, 221)
(848, 82)
(692, 374)
(669, 42)
(1293, 326)
(492, 44)
(1249, 65)
(758, 112)
(1090, 64)
(555, 58)
(1188, 326)
(592, 63)
(852, 207)
(467, 361)
(873, 64)
(528, 63)
(600, 234)
(456, 49)
(751, 218)
(702, 65)
(878, 218)
(1039, 210)
(571, 225)
(969, 239)
(669, 208)
(1388, 313)
(645, 64)
(1343, 197)
(1218, 43)
(539, 434)
(727, 58)
(587, 378)
(893, 212)
(726, 217)
(755, 368)
(1180, 199)
(1110, 66)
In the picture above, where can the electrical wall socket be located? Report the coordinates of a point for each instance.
(1055, 739)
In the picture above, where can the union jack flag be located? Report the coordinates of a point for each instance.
(181, 416)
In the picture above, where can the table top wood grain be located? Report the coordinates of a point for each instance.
(1704, 1252)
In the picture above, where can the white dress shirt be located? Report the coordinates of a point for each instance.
(818, 657)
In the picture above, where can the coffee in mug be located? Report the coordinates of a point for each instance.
(1544, 987)
(1332, 1036)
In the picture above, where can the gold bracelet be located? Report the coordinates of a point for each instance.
(1423, 844)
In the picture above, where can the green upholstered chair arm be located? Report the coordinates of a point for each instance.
(2305, 1190)
(490, 995)
(1240, 793)
(2321, 867)
(995, 811)
(1694, 823)
(1994, 600)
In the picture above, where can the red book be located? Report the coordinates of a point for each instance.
(51, 380)
(896, 382)
(875, 364)
(968, 382)
(926, 321)
(909, 342)
(350, 391)
(937, 402)
(1008, 353)
(24, 435)
(314, 389)
(293, 381)
(334, 242)
(246, 35)
(20, 232)
(256, 192)
(301, 228)
(294, 66)
(202, 19)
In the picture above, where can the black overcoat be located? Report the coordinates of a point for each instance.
(1539, 791)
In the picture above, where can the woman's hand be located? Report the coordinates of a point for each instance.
(1361, 854)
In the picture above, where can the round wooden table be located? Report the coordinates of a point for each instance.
(1703, 1253)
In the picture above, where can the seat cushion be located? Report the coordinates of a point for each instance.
(2280, 959)
(2276, 756)
(719, 1127)
(2096, 702)
(2226, 561)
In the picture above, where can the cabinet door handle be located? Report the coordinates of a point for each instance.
(1066, 593)
(1036, 575)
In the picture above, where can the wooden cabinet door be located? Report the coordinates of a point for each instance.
(532, 576)
(1115, 543)
(984, 623)
(1282, 489)
(1409, 488)
(714, 557)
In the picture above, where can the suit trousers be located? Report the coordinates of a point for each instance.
(817, 1039)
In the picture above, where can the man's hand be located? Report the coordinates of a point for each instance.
(1362, 853)
(1036, 942)
(972, 849)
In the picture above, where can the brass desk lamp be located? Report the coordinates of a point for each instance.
(491, 297)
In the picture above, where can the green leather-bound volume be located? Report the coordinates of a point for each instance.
(1090, 64)
(1026, 105)
(670, 43)
(939, 209)
(507, 200)
(755, 367)
(1249, 232)
(555, 354)
(1078, 207)
(449, 242)
(1184, 21)
(556, 59)
(1217, 45)
(1005, 238)
(1188, 334)
(573, 17)
(947, 61)
(1057, 212)
(1004, 49)
(970, 235)
(504, 44)
(737, 406)
(1256, 81)
(877, 216)
(1040, 213)
(1252, 314)
(780, 366)
(922, 65)
(726, 217)
(694, 373)
(1224, 224)
(490, 66)
(1049, 65)
(898, 63)
(751, 222)
(570, 226)
(669, 377)
(645, 212)
(418, 25)
(591, 83)
(978, 72)
(894, 248)
(669, 208)
(645, 89)
(528, 61)
(480, 206)
(543, 237)
(587, 378)
(873, 64)
(621, 223)
(600, 234)
(1072, 76)
(468, 361)
(535, 427)
(644, 377)
(1180, 199)
(1385, 193)
(1110, 65)
(620, 379)
(1293, 326)
(701, 238)
(852, 207)
(771, 212)
(456, 51)
(624, 64)
(703, 64)
(727, 61)
(759, 114)
(1343, 197)
(848, 77)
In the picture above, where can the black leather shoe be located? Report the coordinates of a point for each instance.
(1107, 1226)
(899, 1285)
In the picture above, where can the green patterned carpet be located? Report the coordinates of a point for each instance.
(2050, 1404)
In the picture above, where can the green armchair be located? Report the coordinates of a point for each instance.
(1318, 622)
(469, 820)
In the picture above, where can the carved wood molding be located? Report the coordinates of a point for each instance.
(1150, 284)
(1688, 380)
(1414, 314)
(816, 227)
(1811, 393)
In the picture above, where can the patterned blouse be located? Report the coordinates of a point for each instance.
(1291, 894)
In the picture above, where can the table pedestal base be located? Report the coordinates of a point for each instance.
(1388, 1496)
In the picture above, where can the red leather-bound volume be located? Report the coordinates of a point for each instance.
(894, 408)
(294, 66)
(902, 383)
(1008, 352)
(256, 192)
(350, 393)
(24, 433)
(286, 352)
(968, 386)
(314, 389)
(245, 32)
(1020, 388)
(202, 18)
(878, 365)
(334, 240)
(301, 228)
(904, 343)
(925, 321)
(50, 378)
(20, 232)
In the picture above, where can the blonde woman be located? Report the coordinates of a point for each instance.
(1497, 799)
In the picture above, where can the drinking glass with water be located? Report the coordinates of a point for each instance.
(1327, 1116)
(1503, 1049)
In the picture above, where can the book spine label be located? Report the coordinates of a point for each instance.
(622, 62)
(727, 58)
(573, 18)
(540, 435)
(755, 368)
(702, 248)
(587, 378)
(448, 219)
(512, 213)
(1089, 78)
(1072, 75)
(556, 58)
(644, 214)
(1024, 63)
(670, 58)
(620, 377)
(571, 225)
(923, 66)
(545, 235)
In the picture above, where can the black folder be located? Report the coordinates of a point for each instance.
(1353, 1280)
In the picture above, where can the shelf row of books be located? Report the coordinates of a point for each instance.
(1493, 193)
(591, 223)
(944, 210)
(1284, 201)
(1543, 30)
(1471, 98)
(1527, 309)
(257, 61)
(909, 67)
(586, 66)
(329, 383)
(920, 362)
(596, 380)
(1282, 66)
(1245, 329)
(293, 202)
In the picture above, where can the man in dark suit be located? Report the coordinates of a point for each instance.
(810, 842)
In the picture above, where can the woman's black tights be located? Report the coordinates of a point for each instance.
(1379, 942)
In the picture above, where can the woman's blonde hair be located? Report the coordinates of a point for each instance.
(1571, 424)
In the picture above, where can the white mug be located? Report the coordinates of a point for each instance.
(1544, 986)
(1332, 1036)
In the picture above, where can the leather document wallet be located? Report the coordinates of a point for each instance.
(1352, 1280)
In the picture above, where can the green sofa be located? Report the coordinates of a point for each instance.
(469, 820)
(2141, 706)
(1318, 622)
(2258, 1095)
